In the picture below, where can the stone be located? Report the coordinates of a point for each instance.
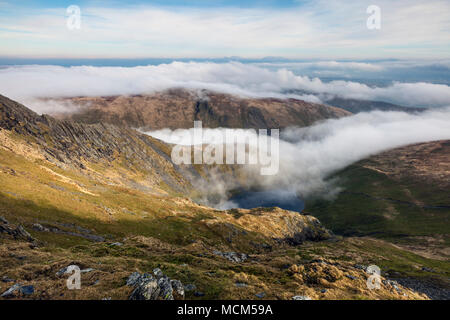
(11, 292)
(6, 279)
(350, 277)
(61, 271)
(360, 267)
(301, 298)
(158, 273)
(146, 289)
(189, 287)
(232, 256)
(178, 289)
(27, 290)
(133, 279)
(241, 285)
(199, 294)
(18, 289)
(166, 291)
(22, 233)
(393, 284)
(260, 295)
(154, 287)
(39, 227)
(19, 233)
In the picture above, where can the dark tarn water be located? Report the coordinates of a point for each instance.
(284, 199)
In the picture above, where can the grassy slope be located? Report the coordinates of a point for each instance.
(354, 213)
(162, 230)
(119, 186)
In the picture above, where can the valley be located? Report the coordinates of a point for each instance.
(108, 199)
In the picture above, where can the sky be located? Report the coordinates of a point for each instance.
(333, 29)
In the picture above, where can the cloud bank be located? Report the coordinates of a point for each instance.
(27, 82)
(308, 156)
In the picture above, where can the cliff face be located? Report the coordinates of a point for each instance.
(178, 108)
(76, 144)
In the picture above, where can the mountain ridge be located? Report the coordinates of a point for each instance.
(105, 203)
(179, 108)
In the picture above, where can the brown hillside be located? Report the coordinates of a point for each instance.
(178, 108)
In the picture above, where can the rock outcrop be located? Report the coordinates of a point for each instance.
(155, 287)
(275, 223)
(72, 143)
(17, 232)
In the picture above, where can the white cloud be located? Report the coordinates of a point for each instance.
(309, 155)
(410, 28)
(26, 82)
(326, 65)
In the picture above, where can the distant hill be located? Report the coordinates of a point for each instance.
(178, 108)
(355, 106)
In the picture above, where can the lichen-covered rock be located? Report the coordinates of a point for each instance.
(133, 279)
(178, 289)
(158, 273)
(17, 232)
(157, 287)
(146, 288)
(275, 223)
(232, 256)
(166, 291)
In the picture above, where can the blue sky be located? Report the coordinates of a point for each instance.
(333, 29)
(192, 3)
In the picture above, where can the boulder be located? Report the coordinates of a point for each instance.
(133, 279)
(146, 288)
(154, 287)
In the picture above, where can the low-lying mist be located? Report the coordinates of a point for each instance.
(27, 84)
(309, 156)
